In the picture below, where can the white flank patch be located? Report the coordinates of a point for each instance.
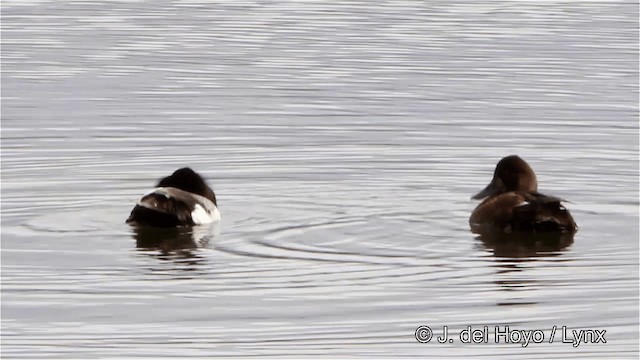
(201, 216)
(523, 203)
(215, 214)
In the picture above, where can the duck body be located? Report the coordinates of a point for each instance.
(181, 199)
(512, 203)
(522, 211)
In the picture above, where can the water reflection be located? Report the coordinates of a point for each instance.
(182, 260)
(172, 241)
(514, 254)
(179, 246)
(525, 245)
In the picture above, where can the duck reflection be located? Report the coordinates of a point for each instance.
(524, 244)
(174, 243)
(514, 255)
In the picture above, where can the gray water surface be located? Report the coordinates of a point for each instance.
(344, 140)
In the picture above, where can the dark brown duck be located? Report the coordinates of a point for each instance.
(512, 203)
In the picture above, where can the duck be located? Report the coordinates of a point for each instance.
(512, 203)
(180, 199)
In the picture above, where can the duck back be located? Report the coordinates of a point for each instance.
(523, 211)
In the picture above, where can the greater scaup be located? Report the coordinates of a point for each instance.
(183, 198)
(513, 203)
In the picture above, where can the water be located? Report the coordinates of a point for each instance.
(344, 140)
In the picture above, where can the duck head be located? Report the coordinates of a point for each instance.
(511, 174)
(188, 180)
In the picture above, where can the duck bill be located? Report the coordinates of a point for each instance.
(492, 189)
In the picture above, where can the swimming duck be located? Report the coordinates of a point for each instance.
(513, 203)
(183, 198)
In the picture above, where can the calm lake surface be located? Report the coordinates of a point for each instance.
(344, 140)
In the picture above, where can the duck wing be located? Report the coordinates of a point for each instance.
(544, 213)
(169, 206)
